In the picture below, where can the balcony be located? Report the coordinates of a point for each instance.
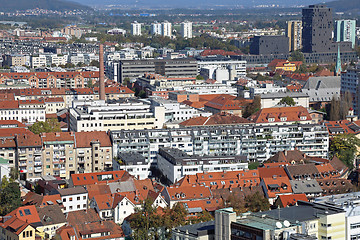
(38, 169)
(38, 163)
(22, 163)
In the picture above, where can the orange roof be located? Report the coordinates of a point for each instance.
(205, 204)
(266, 172)
(291, 114)
(84, 139)
(342, 126)
(104, 201)
(188, 192)
(97, 189)
(223, 103)
(82, 179)
(327, 171)
(198, 105)
(9, 104)
(58, 136)
(282, 186)
(15, 225)
(27, 214)
(12, 123)
(291, 199)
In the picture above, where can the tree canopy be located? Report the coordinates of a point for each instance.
(255, 203)
(288, 101)
(297, 56)
(253, 107)
(344, 146)
(50, 125)
(10, 196)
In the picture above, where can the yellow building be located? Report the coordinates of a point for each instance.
(15, 229)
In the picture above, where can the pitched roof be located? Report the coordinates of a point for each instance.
(289, 156)
(335, 186)
(98, 177)
(58, 136)
(97, 189)
(14, 224)
(277, 185)
(188, 192)
(104, 201)
(72, 191)
(27, 214)
(270, 172)
(224, 103)
(276, 114)
(51, 215)
(302, 171)
(84, 139)
(291, 199)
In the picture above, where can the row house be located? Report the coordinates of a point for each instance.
(67, 94)
(53, 79)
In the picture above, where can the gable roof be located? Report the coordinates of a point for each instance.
(291, 199)
(27, 214)
(84, 139)
(51, 215)
(291, 114)
(82, 179)
(188, 192)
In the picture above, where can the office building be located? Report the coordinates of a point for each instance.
(186, 29)
(350, 83)
(136, 28)
(156, 28)
(293, 31)
(166, 29)
(261, 45)
(344, 31)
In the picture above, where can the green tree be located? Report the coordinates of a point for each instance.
(199, 77)
(9, 197)
(95, 63)
(345, 104)
(126, 81)
(288, 101)
(297, 56)
(89, 84)
(256, 202)
(50, 125)
(344, 146)
(253, 107)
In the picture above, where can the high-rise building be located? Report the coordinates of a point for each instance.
(186, 29)
(136, 28)
(293, 32)
(317, 25)
(269, 45)
(166, 29)
(156, 28)
(344, 31)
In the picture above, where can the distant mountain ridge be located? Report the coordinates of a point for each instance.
(56, 5)
(345, 5)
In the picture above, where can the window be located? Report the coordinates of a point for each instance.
(78, 198)
(84, 197)
(70, 199)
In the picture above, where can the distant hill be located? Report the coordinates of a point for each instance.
(195, 4)
(345, 5)
(59, 5)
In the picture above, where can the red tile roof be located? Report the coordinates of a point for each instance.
(188, 193)
(27, 214)
(82, 179)
(58, 136)
(292, 114)
(291, 199)
(84, 139)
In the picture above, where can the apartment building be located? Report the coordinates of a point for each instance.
(175, 164)
(116, 115)
(29, 111)
(38, 61)
(156, 28)
(74, 199)
(186, 29)
(136, 28)
(258, 143)
(166, 29)
(59, 154)
(350, 83)
(93, 151)
(235, 68)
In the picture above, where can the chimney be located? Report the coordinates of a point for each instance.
(101, 73)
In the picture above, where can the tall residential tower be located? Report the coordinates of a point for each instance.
(293, 32)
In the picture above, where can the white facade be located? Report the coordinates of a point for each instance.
(136, 29)
(175, 169)
(216, 88)
(265, 89)
(74, 202)
(124, 209)
(177, 112)
(76, 58)
(30, 113)
(236, 69)
(272, 99)
(166, 29)
(156, 28)
(140, 171)
(38, 61)
(186, 29)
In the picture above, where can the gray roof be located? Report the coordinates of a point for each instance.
(51, 214)
(305, 211)
(322, 88)
(132, 158)
(126, 186)
(305, 186)
(72, 191)
(284, 94)
(199, 229)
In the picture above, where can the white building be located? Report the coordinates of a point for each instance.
(156, 28)
(175, 164)
(166, 29)
(265, 88)
(123, 208)
(29, 111)
(272, 99)
(136, 28)
(38, 61)
(233, 69)
(74, 199)
(177, 112)
(117, 115)
(350, 202)
(186, 29)
(216, 88)
(134, 163)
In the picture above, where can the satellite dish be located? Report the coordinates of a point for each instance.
(278, 225)
(286, 223)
